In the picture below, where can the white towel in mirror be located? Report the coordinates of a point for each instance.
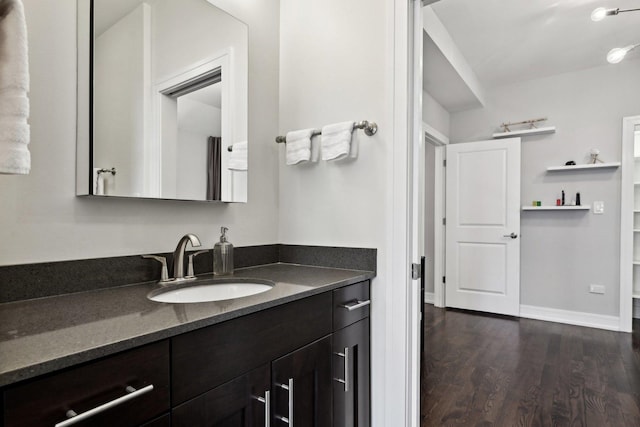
(239, 156)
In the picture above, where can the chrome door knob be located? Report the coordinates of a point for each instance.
(512, 235)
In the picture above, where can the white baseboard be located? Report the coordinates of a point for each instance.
(429, 297)
(611, 323)
(636, 308)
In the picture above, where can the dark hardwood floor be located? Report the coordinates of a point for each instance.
(482, 370)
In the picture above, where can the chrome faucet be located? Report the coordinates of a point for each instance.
(178, 256)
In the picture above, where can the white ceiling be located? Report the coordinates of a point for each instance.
(443, 82)
(506, 41)
(108, 12)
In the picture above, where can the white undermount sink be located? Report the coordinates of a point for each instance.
(211, 290)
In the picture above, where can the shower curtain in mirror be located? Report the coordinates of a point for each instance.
(214, 168)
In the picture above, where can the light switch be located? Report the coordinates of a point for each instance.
(598, 208)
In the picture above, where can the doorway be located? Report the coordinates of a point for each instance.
(432, 218)
(630, 224)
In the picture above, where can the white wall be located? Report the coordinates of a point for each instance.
(336, 64)
(41, 219)
(119, 93)
(435, 115)
(564, 252)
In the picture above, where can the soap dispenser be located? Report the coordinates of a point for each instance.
(223, 255)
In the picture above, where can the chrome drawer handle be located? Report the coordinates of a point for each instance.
(267, 407)
(345, 381)
(356, 304)
(76, 418)
(289, 418)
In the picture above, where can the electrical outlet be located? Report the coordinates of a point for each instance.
(598, 208)
(596, 289)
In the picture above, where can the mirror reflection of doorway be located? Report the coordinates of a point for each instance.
(200, 144)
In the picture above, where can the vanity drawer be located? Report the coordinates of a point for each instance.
(208, 357)
(45, 401)
(350, 304)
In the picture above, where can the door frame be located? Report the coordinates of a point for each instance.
(399, 380)
(439, 141)
(626, 223)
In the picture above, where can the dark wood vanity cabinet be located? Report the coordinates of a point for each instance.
(135, 385)
(294, 356)
(351, 373)
(351, 356)
(207, 358)
(305, 361)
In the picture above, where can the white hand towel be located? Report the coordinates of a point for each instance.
(336, 141)
(238, 160)
(299, 146)
(14, 87)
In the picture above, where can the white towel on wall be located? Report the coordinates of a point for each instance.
(238, 159)
(299, 146)
(14, 87)
(336, 141)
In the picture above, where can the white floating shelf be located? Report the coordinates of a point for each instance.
(557, 208)
(636, 262)
(588, 166)
(636, 296)
(525, 132)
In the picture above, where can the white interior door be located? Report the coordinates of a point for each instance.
(483, 226)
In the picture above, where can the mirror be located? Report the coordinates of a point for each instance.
(167, 107)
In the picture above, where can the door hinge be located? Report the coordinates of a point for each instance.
(444, 279)
(444, 221)
(415, 271)
(444, 163)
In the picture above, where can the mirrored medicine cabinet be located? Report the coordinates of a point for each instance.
(162, 100)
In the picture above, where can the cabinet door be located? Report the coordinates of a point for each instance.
(241, 402)
(351, 391)
(301, 383)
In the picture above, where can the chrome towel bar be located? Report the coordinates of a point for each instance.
(370, 128)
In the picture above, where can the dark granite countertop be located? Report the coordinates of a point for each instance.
(43, 335)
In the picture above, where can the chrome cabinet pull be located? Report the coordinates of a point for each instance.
(267, 407)
(289, 388)
(132, 393)
(356, 304)
(512, 235)
(345, 381)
